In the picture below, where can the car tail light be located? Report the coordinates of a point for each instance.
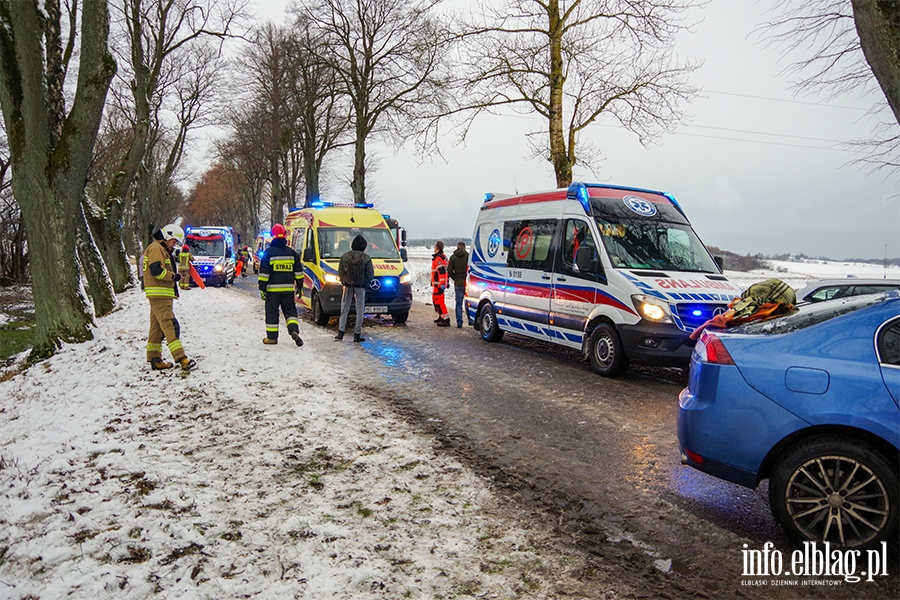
(710, 349)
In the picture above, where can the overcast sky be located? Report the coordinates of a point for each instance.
(756, 169)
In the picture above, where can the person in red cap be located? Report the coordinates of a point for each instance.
(279, 273)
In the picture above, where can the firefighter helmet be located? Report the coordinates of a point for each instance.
(278, 230)
(185, 248)
(173, 232)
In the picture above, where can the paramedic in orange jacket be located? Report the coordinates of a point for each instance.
(439, 282)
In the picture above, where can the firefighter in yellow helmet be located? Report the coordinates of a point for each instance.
(160, 278)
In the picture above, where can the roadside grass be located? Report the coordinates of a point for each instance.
(17, 322)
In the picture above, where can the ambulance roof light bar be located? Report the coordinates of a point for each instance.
(321, 204)
(579, 191)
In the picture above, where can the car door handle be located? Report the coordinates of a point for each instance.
(545, 276)
(561, 278)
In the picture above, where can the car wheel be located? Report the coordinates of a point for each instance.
(833, 489)
(400, 318)
(490, 330)
(605, 350)
(319, 316)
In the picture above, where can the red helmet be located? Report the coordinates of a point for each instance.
(185, 248)
(278, 230)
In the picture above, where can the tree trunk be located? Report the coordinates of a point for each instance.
(559, 155)
(99, 285)
(358, 185)
(50, 153)
(878, 27)
(108, 233)
(277, 205)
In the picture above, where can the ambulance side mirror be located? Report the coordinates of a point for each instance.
(309, 255)
(584, 260)
(404, 254)
(720, 262)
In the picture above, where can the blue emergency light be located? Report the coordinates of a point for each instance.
(697, 312)
(579, 191)
(321, 204)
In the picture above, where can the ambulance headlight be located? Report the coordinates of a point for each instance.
(219, 268)
(405, 278)
(652, 309)
(332, 278)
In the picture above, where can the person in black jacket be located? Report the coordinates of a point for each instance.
(279, 273)
(355, 271)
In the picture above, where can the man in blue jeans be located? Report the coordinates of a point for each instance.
(456, 269)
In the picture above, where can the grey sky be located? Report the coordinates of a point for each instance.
(744, 191)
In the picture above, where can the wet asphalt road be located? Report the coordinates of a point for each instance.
(599, 454)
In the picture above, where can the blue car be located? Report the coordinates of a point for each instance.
(810, 401)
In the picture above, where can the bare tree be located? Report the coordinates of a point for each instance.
(844, 43)
(50, 149)
(157, 33)
(389, 57)
(322, 117)
(572, 62)
(13, 260)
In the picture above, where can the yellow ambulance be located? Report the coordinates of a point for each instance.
(322, 233)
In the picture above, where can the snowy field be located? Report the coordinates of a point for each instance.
(795, 274)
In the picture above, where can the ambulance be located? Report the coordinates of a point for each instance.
(322, 233)
(616, 272)
(259, 248)
(213, 253)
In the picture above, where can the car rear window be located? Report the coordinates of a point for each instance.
(810, 314)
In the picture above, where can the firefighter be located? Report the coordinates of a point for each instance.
(439, 282)
(184, 267)
(279, 273)
(160, 276)
(245, 260)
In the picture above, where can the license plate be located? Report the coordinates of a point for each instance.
(376, 309)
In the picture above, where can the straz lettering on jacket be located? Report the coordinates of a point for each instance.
(282, 265)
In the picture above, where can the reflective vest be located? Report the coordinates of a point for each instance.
(184, 262)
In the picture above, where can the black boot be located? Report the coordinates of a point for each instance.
(339, 336)
(296, 337)
(358, 337)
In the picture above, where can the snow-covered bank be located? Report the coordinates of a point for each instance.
(265, 473)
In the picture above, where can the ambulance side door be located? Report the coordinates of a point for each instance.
(298, 243)
(530, 264)
(574, 292)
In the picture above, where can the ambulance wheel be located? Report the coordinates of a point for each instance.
(400, 318)
(605, 350)
(490, 330)
(318, 313)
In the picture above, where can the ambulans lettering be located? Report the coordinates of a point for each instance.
(672, 284)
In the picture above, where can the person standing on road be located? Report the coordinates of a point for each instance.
(279, 273)
(439, 282)
(356, 271)
(456, 269)
(245, 260)
(184, 267)
(159, 278)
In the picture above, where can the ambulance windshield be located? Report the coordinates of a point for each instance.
(212, 246)
(335, 241)
(649, 235)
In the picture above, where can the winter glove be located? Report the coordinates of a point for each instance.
(262, 294)
(177, 277)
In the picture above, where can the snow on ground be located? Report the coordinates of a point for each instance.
(265, 473)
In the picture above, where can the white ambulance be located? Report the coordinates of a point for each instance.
(616, 272)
